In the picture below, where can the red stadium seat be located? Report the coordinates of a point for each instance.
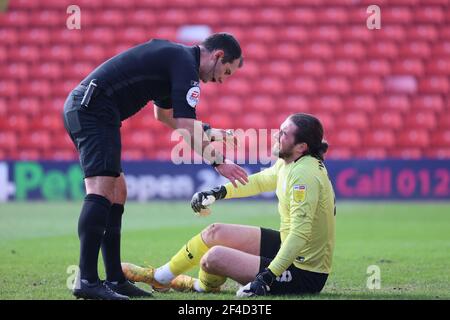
(29, 154)
(133, 154)
(49, 70)
(397, 15)
(326, 33)
(58, 53)
(30, 107)
(222, 120)
(382, 49)
(408, 66)
(415, 49)
(48, 18)
(61, 154)
(413, 138)
(389, 119)
(367, 85)
(441, 138)
(439, 153)
(238, 16)
(293, 104)
(8, 89)
(376, 67)
(139, 139)
(444, 121)
(296, 33)
(391, 32)
(9, 36)
(317, 50)
(441, 48)
(301, 85)
(328, 121)
(25, 53)
(8, 140)
(37, 140)
(353, 121)
(261, 103)
(421, 120)
(406, 153)
(338, 152)
(334, 85)
(342, 67)
(329, 103)
(288, 51)
(309, 68)
(269, 16)
(306, 15)
(16, 71)
(435, 84)
(395, 102)
(349, 50)
(432, 14)
(229, 104)
(270, 85)
(174, 17)
(336, 15)
(253, 120)
(439, 66)
(372, 153)
(433, 103)
(364, 103)
(279, 68)
(349, 138)
(422, 32)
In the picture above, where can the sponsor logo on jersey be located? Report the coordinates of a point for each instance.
(193, 96)
(299, 192)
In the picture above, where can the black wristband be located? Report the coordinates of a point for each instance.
(216, 163)
(206, 127)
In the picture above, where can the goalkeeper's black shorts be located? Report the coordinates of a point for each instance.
(95, 132)
(293, 280)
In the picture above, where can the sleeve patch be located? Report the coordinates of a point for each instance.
(299, 192)
(193, 96)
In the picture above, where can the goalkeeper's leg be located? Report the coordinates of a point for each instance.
(240, 237)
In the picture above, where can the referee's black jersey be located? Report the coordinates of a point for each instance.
(158, 70)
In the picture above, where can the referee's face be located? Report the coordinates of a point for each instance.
(216, 70)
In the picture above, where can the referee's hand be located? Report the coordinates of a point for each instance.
(232, 172)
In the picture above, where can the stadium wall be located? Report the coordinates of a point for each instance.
(151, 180)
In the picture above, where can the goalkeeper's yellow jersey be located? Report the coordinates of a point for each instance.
(307, 210)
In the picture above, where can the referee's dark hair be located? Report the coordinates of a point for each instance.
(310, 131)
(226, 42)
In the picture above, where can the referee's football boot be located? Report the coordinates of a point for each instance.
(128, 289)
(96, 291)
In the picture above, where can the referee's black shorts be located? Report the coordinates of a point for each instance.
(293, 280)
(95, 132)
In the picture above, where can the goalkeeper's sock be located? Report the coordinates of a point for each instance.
(188, 256)
(163, 274)
(111, 245)
(91, 227)
(208, 282)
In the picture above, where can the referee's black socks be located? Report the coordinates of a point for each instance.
(91, 229)
(111, 245)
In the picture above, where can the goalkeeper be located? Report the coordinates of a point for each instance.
(295, 260)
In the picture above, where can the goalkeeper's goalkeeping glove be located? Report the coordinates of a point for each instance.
(202, 200)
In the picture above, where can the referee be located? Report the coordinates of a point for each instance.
(168, 74)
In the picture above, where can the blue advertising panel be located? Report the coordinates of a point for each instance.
(149, 180)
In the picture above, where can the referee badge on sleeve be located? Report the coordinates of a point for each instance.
(299, 192)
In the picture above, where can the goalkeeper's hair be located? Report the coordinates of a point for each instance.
(226, 42)
(310, 131)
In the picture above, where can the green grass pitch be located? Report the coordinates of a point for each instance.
(409, 242)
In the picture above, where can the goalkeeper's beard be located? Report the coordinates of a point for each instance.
(282, 154)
